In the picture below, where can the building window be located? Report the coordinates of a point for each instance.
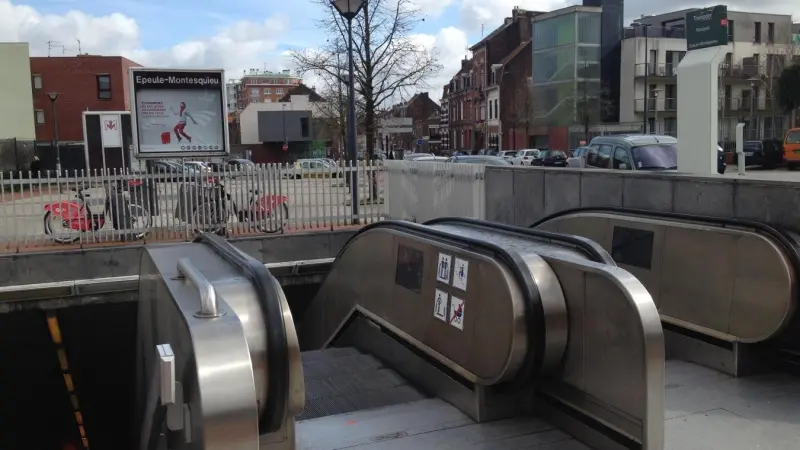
(771, 33)
(39, 116)
(730, 30)
(267, 90)
(496, 112)
(757, 33)
(104, 87)
(255, 92)
(37, 81)
(279, 91)
(304, 126)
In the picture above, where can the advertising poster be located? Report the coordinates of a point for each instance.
(179, 114)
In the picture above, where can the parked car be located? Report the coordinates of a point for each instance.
(414, 156)
(199, 165)
(432, 159)
(525, 157)
(507, 154)
(791, 148)
(550, 158)
(633, 152)
(578, 157)
(767, 153)
(479, 159)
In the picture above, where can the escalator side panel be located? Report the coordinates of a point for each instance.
(731, 284)
(614, 364)
(486, 351)
(212, 356)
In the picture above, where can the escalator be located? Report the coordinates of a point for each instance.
(726, 289)
(453, 334)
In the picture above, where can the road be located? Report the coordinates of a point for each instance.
(311, 203)
(757, 173)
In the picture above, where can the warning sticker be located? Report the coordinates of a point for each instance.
(443, 268)
(457, 313)
(461, 271)
(440, 305)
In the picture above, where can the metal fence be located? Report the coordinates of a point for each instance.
(419, 191)
(95, 209)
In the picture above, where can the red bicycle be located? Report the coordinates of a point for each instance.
(77, 216)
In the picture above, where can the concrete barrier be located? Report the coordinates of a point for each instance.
(57, 266)
(523, 195)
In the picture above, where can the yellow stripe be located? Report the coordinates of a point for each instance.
(55, 334)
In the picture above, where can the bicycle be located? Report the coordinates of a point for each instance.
(263, 211)
(77, 215)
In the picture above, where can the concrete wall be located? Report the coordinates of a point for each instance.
(31, 268)
(521, 196)
(16, 98)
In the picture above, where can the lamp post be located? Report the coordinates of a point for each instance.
(656, 92)
(349, 9)
(53, 96)
(283, 116)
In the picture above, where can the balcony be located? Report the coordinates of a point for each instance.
(656, 70)
(744, 72)
(745, 106)
(656, 104)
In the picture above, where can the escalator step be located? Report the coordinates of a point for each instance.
(342, 380)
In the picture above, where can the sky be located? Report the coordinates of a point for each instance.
(243, 34)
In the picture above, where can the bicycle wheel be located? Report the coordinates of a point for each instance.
(273, 222)
(141, 220)
(58, 236)
(207, 218)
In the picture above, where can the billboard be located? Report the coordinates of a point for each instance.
(178, 113)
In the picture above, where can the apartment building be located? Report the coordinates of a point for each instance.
(760, 46)
(263, 87)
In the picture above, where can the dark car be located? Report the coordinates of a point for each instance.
(480, 159)
(767, 153)
(551, 158)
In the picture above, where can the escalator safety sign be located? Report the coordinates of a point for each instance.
(443, 268)
(440, 305)
(457, 313)
(460, 272)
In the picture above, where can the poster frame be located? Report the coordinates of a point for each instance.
(226, 150)
(94, 112)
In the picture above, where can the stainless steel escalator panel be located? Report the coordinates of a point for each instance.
(730, 283)
(485, 351)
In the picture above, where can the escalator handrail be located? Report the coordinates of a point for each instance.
(777, 235)
(534, 310)
(594, 251)
(269, 295)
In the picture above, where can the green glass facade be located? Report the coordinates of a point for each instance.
(566, 67)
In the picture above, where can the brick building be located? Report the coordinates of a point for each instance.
(479, 126)
(444, 119)
(263, 87)
(83, 82)
(424, 115)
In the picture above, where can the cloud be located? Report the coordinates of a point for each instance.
(235, 48)
(449, 45)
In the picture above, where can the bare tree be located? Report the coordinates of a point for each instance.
(521, 113)
(387, 61)
(333, 111)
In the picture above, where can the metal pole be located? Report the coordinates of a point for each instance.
(283, 116)
(752, 111)
(351, 122)
(646, 71)
(55, 139)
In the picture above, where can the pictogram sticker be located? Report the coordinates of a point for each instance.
(440, 305)
(443, 268)
(460, 274)
(457, 313)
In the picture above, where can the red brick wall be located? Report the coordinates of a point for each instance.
(75, 80)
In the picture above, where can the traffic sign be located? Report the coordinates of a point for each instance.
(285, 146)
(420, 141)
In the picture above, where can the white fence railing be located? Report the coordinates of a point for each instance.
(420, 191)
(90, 209)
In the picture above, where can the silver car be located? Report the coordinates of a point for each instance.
(578, 157)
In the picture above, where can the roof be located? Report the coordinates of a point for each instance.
(302, 89)
(515, 52)
(494, 33)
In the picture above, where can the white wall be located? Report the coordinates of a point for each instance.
(16, 93)
(248, 119)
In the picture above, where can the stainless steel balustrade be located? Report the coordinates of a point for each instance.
(546, 321)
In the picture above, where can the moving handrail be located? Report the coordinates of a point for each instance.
(276, 404)
(208, 296)
(588, 247)
(534, 311)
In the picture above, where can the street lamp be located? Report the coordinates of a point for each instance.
(283, 116)
(53, 96)
(349, 9)
(655, 110)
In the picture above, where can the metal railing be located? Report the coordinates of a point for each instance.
(87, 209)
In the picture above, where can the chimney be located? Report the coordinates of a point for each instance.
(464, 63)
